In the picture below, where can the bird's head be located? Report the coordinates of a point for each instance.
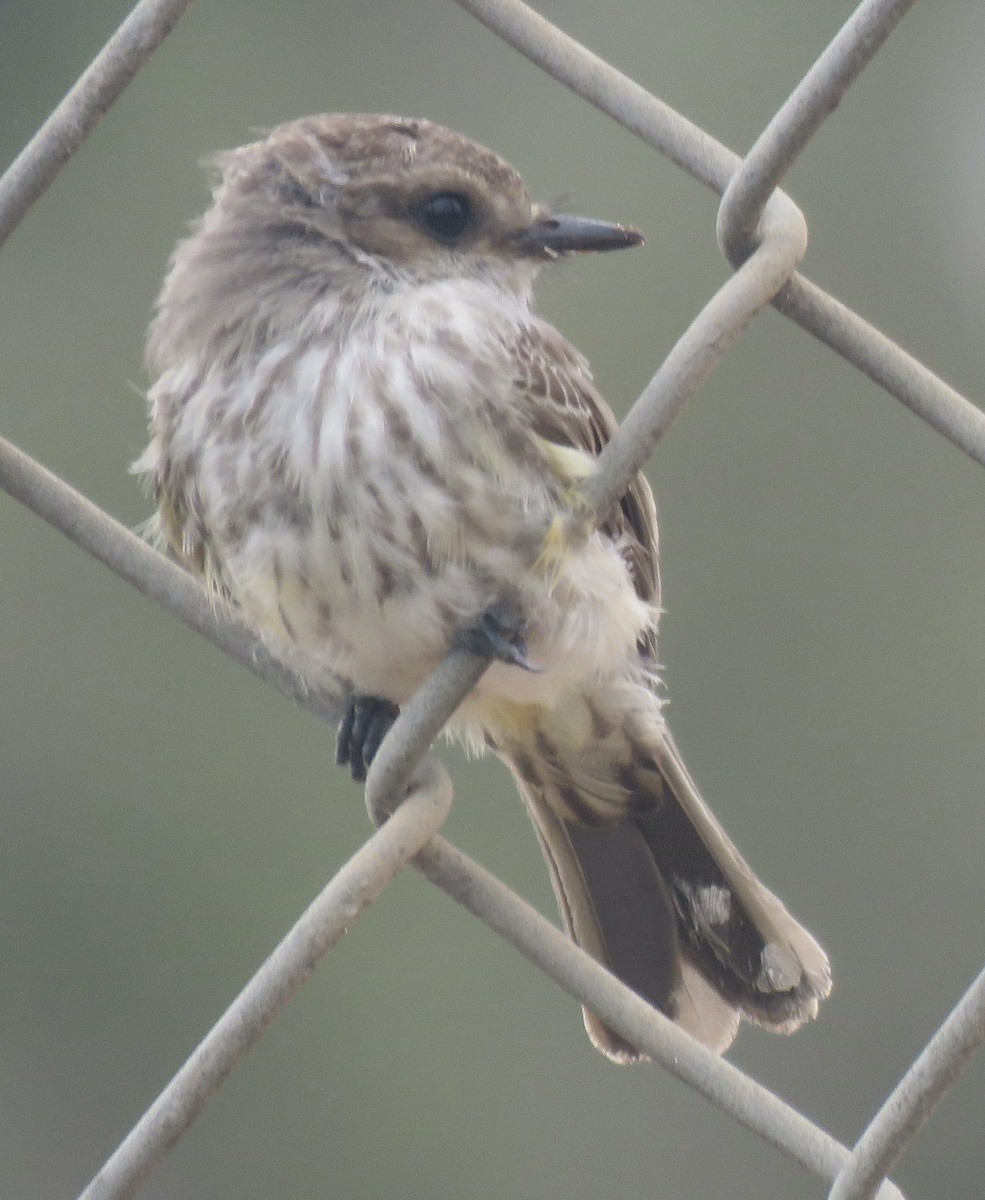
(400, 195)
(336, 205)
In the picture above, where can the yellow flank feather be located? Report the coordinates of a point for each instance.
(512, 719)
(571, 467)
(554, 551)
(568, 463)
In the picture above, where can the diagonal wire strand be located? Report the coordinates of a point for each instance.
(128, 556)
(751, 1104)
(696, 354)
(37, 165)
(915, 1097)
(711, 163)
(319, 928)
(800, 116)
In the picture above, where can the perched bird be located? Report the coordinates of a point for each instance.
(364, 438)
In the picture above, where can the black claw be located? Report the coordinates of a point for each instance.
(378, 728)
(343, 735)
(360, 727)
(366, 723)
(498, 635)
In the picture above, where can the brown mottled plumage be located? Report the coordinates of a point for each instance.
(361, 431)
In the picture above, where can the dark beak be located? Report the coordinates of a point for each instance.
(553, 235)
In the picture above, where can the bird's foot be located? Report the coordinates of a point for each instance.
(366, 723)
(499, 635)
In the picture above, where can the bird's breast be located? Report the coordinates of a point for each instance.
(365, 498)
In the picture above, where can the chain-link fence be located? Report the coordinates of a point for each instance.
(763, 234)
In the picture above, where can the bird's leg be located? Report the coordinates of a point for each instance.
(366, 723)
(499, 635)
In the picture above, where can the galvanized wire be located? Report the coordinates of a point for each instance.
(697, 352)
(237, 1031)
(764, 235)
(752, 1105)
(140, 565)
(712, 164)
(323, 923)
(798, 119)
(99, 86)
(917, 1095)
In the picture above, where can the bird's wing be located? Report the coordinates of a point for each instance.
(565, 410)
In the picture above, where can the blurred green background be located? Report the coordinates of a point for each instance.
(165, 817)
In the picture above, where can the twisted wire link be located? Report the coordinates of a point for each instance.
(318, 929)
(711, 163)
(390, 777)
(800, 116)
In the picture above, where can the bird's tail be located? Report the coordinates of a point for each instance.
(649, 883)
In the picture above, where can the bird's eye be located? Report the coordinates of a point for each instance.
(446, 216)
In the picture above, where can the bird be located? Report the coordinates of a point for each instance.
(364, 440)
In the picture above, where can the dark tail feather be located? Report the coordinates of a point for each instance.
(663, 899)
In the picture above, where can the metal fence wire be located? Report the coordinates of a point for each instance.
(763, 234)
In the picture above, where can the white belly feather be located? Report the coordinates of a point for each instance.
(377, 507)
